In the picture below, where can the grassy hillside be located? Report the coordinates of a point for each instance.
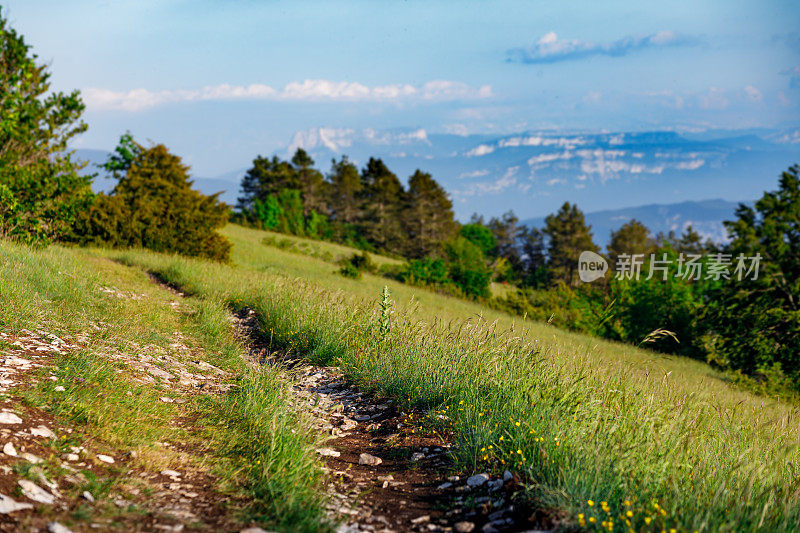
(662, 442)
(127, 386)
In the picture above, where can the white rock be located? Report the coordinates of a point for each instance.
(421, 519)
(170, 473)
(43, 431)
(8, 505)
(35, 492)
(463, 527)
(35, 459)
(106, 458)
(9, 418)
(86, 495)
(55, 527)
(477, 480)
(417, 456)
(73, 457)
(445, 486)
(9, 449)
(59, 388)
(370, 460)
(328, 452)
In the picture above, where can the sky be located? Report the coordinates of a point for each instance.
(222, 81)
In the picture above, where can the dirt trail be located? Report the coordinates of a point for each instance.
(386, 472)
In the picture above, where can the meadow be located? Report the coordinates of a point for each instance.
(608, 435)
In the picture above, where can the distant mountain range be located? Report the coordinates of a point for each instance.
(667, 173)
(705, 217)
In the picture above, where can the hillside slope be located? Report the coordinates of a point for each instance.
(591, 433)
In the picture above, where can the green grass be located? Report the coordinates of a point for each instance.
(252, 437)
(583, 419)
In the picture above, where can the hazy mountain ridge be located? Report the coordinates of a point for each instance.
(705, 216)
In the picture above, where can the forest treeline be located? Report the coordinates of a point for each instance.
(749, 325)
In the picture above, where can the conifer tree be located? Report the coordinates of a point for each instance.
(41, 192)
(313, 187)
(383, 198)
(568, 236)
(631, 238)
(266, 176)
(346, 190)
(428, 219)
(154, 206)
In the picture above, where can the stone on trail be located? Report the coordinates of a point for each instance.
(106, 458)
(9, 449)
(9, 418)
(35, 492)
(421, 519)
(369, 460)
(55, 527)
(43, 431)
(8, 505)
(417, 456)
(443, 486)
(87, 496)
(477, 480)
(328, 452)
(254, 530)
(463, 527)
(170, 473)
(507, 476)
(35, 459)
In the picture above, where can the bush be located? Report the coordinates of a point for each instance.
(356, 264)
(467, 268)
(154, 206)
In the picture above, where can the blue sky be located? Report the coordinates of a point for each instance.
(220, 82)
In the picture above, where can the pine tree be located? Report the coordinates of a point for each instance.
(41, 192)
(568, 236)
(313, 187)
(755, 320)
(631, 238)
(382, 199)
(265, 177)
(346, 190)
(429, 218)
(507, 231)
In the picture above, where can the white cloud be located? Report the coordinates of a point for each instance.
(753, 94)
(714, 99)
(482, 149)
(550, 48)
(307, 90)
(474, 174)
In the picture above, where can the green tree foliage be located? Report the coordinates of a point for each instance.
(383, 198)
(467, 267)
(480, 236)
(346, 187)
(631, 238)
(314, 188)
(506, 230)
(428, 219)
(41, 192)
(568, 236)
(755, 324)
(154, 206)
(266, 176)
(291, 205)
(690, 242)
